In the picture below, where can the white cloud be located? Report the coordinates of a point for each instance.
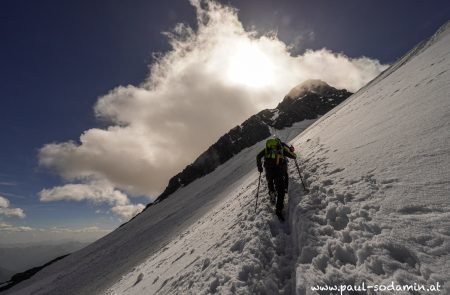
(96, 192)
(12, 234)
(4, 202)
(212, 79)
(7, 211)
(8, 183)
(89, 229)
(127, 211)
(11, 228)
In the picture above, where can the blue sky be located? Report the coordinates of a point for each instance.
(58, 57)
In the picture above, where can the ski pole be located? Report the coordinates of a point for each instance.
(298, 169)
(257, 191)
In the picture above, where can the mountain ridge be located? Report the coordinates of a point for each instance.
(306, 101)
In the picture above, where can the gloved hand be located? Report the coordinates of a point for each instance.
(260, 169)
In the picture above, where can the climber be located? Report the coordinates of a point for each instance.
(275, 154)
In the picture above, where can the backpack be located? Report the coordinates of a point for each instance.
(274, 149)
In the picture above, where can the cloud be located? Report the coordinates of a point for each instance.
(8, 183)
(211, 80)
(96, 192)
(11, 228)
(8, 211)
(127, 211)
(301, 39)
(4, 202)
(89, 229)
(13, 234)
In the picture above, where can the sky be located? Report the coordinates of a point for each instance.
(103, 101)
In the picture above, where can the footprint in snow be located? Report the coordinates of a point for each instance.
(139, 279)
(238, 246)
(415, 209)
(327, 182)
(179, 257)
(337, 170)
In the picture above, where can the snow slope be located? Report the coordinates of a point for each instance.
(378, 209)
(379, 171)
(233, 249)
(95, 268)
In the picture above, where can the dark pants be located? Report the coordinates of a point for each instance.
(275, 175)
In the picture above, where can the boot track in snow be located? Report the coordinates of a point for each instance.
(237, 251)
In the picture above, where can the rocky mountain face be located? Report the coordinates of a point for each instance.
(306, 101)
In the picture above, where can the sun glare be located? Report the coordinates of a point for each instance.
(249, 65)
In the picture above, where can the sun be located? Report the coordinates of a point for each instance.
(249, 65)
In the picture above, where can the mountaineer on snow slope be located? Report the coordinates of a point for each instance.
(275, 163)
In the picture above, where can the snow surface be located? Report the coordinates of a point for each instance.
(275, 115)
(378, 167)
(231, 250)
(378, 209)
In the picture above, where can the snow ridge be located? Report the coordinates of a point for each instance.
(378, 167)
